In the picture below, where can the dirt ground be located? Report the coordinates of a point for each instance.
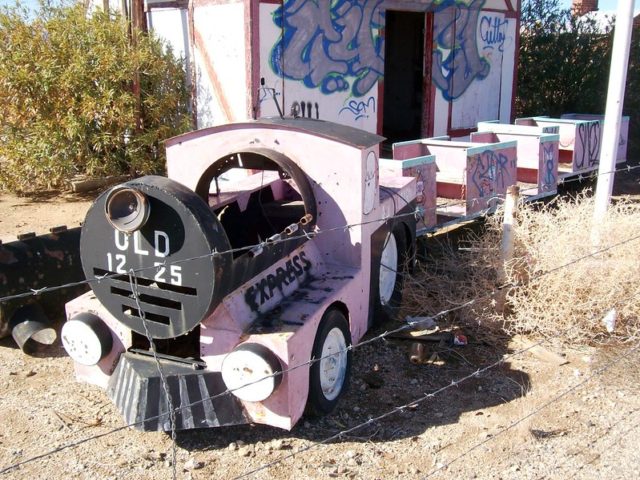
(486, 410)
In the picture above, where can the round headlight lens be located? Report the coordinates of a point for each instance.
(127, 209)
(250, 372)
(86, 338)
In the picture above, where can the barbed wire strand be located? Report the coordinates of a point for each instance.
(534, 412)
(111, 275)
(308, 235)
(527, 194)
(615, 440)
(407, 326)
(79, 442)
(397, 409)
(133, 282)
(604, 433)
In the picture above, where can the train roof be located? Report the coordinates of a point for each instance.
(333, 131)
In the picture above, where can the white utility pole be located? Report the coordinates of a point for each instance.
(613, 113)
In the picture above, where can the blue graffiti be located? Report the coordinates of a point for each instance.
(549, 179)
(328, 44)
(492, 32)
(360, 109)
(491, 170)
(335, 45)
(455, 35)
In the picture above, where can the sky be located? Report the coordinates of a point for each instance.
(28, 3)
(603, 5)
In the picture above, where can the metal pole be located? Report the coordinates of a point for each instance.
(613, 113)
(506, 247)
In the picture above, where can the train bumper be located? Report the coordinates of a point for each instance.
(197, 395)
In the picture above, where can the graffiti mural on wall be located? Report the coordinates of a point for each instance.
(336, 45)
(493, 32)
(330, 45)
(456, 61)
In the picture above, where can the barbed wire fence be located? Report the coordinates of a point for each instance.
(556, 398)
(397, 409)
(343, 433)
(454, 383)
(309, 235)
(588, 443)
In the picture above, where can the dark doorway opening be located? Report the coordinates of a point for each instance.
(403, 100)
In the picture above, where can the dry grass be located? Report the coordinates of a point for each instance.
(564, 286)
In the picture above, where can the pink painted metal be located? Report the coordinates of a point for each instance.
(580, 142)
(413, 161)
(352, 201)
(537, 154)
(623, 141)
(468, 171)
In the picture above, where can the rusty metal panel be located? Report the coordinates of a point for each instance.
(35, 262)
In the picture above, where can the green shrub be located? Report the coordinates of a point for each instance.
(67, 102)
(564, 66)
(632, 97)
(564, 62)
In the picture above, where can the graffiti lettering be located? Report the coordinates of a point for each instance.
(492, 32)
(263, 290)
(304, 109)
(336, 45)
(360, 109)
(328, 44)
(490, 170)
(456, 60)
(549, 178)
(588, 137)
(267, 93)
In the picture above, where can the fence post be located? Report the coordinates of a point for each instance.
(506, 246)
(613, 113)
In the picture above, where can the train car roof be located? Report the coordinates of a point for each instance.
(332, 131)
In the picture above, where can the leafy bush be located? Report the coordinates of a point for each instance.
(632, 97)
(564, 62)
(67, 102)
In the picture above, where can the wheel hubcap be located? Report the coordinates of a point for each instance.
(388, 269)
(333, 365)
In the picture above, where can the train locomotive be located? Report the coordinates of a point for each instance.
(270, 244)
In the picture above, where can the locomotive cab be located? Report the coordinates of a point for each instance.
(271, 244)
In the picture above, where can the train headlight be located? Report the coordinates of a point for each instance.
(251, 372)
(127, 209)
(86, 338)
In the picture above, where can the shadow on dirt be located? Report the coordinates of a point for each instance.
(403, 399)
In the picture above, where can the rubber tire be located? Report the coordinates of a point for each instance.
(317, 403)
(384, 312)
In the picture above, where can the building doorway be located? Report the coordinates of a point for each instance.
(405, 77)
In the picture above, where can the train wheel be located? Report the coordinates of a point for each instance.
(387, 270)
(329, 376)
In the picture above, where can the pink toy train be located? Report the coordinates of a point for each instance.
(270, 243)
